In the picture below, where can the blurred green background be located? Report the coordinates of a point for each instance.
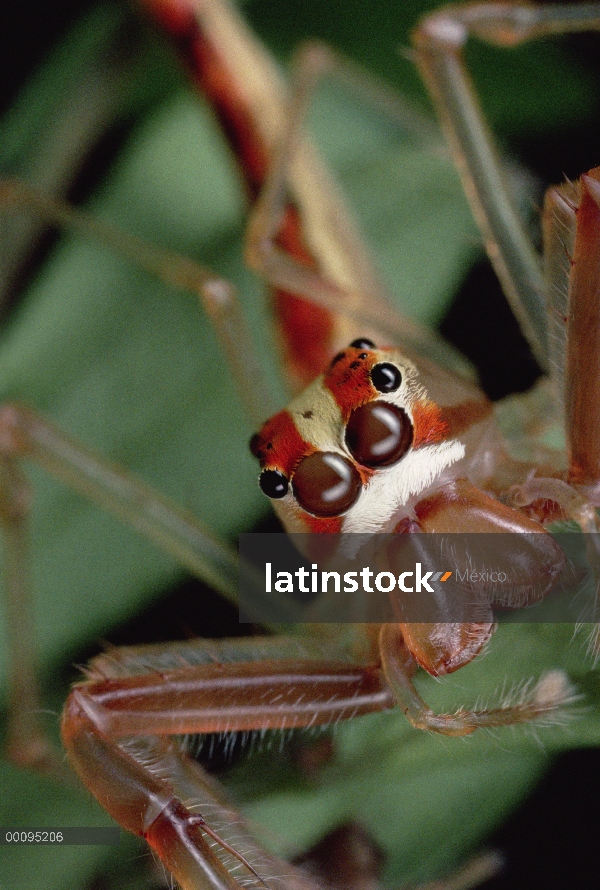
(133, 370)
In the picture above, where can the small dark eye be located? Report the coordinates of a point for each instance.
(326, 484)
(378, 434)
(386, 377)
(362, 343)
(273, 483)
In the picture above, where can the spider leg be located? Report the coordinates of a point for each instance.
(27, 743)
(577, 507)
(572, 234)
(551, 692)
(439, 41)
(558, 227)
(116, 728)
(583, 345)
(216, 295)
(561, 324)
(23, 433)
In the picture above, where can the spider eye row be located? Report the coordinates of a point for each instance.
(378, 434)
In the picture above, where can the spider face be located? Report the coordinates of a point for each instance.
(353, 451)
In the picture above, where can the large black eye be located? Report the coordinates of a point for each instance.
(386, 377)
(273, 483)
(362, 343)
(378, 434)
(326, 484)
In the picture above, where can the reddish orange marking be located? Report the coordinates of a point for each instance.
(464, 415)
(438, 501)
(279, 445)
(307, 334)
(234, 117)
(174, 17)
(445, 576)
(365, 473)
(331, 525)
(290, 237)
(434, 424)
(306, 329)
(429, 424)
(350, 386)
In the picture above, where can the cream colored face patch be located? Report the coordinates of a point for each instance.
(391, 488)
(318, 418)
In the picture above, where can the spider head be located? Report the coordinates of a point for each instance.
(351, 435)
